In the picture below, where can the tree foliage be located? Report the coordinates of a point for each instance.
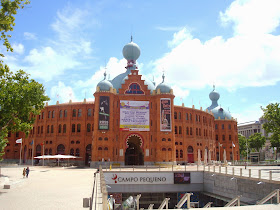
(271, 114)
(256, 141)
(242, 145)
(21, 98)
(8, 11)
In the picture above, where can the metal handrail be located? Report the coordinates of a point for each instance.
(269, 196)
(233, 202)
(208, 205)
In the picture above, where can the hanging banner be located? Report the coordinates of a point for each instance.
(104, 117)
(134, 115)
(165, 114)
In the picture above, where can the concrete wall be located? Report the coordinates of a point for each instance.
(226, 186)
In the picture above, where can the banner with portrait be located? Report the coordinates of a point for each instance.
(165, 114)
(104, 116)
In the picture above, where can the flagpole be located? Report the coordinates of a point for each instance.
(33, 151)
(232, 154)
(20, 153)
(219, 152)
(43, 154)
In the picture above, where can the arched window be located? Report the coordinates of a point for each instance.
(106, 148)
(163, 149)
(79, 112)
(53, 114)
(187, 131)
(216, 126)
(61, 149)
(134, 88)
(38, 149)
(106, 139)
(196, 131)
(169, 149)
(74, 113)
(72, 151)
(89, 112)
(38, 129)
(169, 139)
(50, 151)
(187, 116)
(43, 115)
(79, 128)
(77, 152)
(59, 128)
(46, 151)
(191, 131)
(181, 153)
(176, 130)
(100, 138)
(64, 128)
(177, 154)
(88, 127)
(42, 129)
(51, 128)
(163, 139)
(73, 128)
(60, 113)
(65, 113)
(224, 137)
(72, 142)
(179, 115)
(49, 114)
(175, 115)
(99, 148)
(78, 142)
(88, 148)
(180, 130)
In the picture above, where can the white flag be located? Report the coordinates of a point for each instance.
(233, 144)
(19, 141)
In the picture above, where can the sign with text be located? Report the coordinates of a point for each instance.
(138, 178)
(165, 114)
(134, 115)
(104, 104)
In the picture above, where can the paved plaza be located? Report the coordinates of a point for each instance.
(65, 187)
(46, 187)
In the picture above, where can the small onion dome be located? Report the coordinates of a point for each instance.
(214, 97)
(219, 112)
(104, 85)
(131, 51)
(164, 88)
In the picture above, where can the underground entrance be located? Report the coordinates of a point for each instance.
(134, 154)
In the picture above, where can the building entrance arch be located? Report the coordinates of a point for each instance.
(190, 154)
(88, 155)
(134, 154)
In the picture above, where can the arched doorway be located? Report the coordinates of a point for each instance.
(61, 149)
(38, 153)
(134, 154)
(190, 154)
(88, 155)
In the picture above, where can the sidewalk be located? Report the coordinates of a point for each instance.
(46, 187)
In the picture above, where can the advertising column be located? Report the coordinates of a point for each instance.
(104, 116)
(165, 114)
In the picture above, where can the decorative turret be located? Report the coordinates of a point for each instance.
(105, 85)
(163, 87)
(131, 52)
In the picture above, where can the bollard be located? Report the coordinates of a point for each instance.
(220, 169)
(270, 175)
(208, 168)
(146, 167)
(240, 171)
(232, 171)
(185, 166)
(172, 167)
(249, 173)
(214, 169)
(197, 167)
(133, 167)
(226, 169)
(7, 186)
(203, 167)
(86, 202)
(260, 174)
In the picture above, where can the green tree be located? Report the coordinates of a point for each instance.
(271, 114)
(7, 19)
(256, 141)
(21, 98)
(242, 145)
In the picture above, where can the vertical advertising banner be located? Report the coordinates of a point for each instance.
(165, 114)
(134, 115)
(104, 104)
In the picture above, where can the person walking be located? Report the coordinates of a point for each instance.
(24, 172)
(27, 172)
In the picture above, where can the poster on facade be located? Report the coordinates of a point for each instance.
(165, 114)
(134, 115)
(103, 123)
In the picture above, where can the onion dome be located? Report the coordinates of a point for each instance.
(217, 110)
(105, 85)
(164, 88)
(131, 51)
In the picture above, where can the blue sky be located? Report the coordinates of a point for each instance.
(233, 44)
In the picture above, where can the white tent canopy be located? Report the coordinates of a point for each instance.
(56, 157)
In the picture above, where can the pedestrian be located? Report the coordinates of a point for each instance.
(27, 172)
(24, 172)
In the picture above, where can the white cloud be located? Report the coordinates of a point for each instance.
(29, 36)
(251, 17)
(18, 48)
(62, 93)
(248, 114)
(179, 37)
(169, 28)
(239, 61)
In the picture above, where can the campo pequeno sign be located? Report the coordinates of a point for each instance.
(139, 178)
